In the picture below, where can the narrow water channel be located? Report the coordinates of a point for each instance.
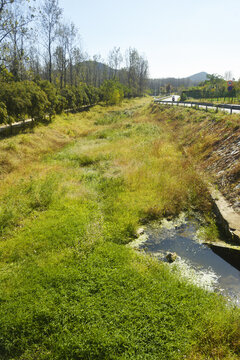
(196, 261)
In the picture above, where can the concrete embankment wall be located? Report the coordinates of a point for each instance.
(227, 218)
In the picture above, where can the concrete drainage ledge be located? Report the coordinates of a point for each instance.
(228, 219)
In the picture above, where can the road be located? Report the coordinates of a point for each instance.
(168, 98)
(177, 97)
(3, 128)
(16, 124)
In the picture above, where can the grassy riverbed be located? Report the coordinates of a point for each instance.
(72, 195)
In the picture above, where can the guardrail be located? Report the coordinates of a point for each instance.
(202, 104)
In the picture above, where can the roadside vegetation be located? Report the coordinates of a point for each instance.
(72, 196)
(211, 142)
(38, 100)
(217, 100)
(215, 89)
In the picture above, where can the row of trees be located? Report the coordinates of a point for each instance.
(36, 100)
(168, 85)
(58, 56)
(55, 75)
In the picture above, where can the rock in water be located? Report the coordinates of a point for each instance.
(140, 231)
(171, 257)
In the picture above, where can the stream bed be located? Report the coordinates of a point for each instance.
(196, 261)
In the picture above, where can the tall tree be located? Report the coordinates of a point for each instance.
(61, 53)
(77, 62)
(114, 60)
(15, 15)
(142, 74)
(96, 69)
(34, 63)
(21, 17)
(5, 18)
(132, 61)
(50, 16)
(71, 48)
(137, 71)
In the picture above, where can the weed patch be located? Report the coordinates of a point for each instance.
(112, 118)
(26, 197)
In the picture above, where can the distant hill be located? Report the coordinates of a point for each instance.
(195, 79)
(199, 77)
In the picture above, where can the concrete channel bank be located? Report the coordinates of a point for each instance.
(228, 219)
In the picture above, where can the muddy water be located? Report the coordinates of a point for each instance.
(196, 261)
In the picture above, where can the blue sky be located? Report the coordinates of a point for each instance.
(178, 37)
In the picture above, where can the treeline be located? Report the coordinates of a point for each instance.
(214, 87)
(43, 69)
(37, 100)
(167, 85)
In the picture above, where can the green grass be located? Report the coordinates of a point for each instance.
(219, 100)
(25, 198)
(111, 304)
(70, 288)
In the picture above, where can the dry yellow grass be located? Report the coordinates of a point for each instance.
(21, 155)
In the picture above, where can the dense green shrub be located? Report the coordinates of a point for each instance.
(3, 113)
(92, 94)
(69, 94)
(39, 104)
(40, 98)
(61, 104)
(183, 97)
(16, 98)
(81, 96)
(112, 92)
(21, 100)
(52, 97)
